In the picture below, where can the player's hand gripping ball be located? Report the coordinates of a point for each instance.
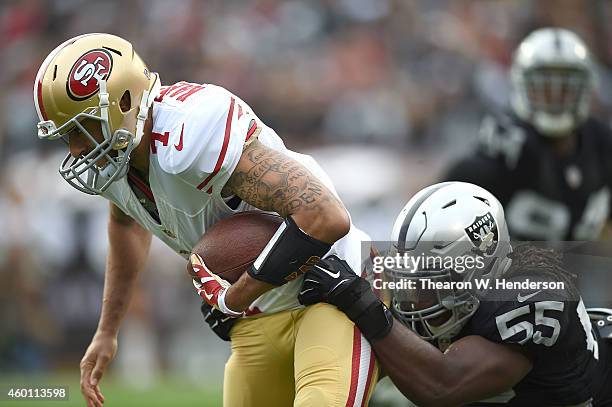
(226, 251)
(210, 286)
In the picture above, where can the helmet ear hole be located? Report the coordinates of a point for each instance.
(126, 101)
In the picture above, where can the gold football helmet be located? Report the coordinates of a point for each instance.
(85, 78)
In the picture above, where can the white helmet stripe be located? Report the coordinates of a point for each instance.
(410, 215)
(409, 211)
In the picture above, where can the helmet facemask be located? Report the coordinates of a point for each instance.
(436, 313)
(85, 173)
(554, 100)
(552, 79)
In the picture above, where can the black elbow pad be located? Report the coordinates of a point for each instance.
(289, 254)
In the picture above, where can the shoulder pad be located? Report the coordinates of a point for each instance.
(602, 319)
(598, 130)
(198, 134)
(500, 137)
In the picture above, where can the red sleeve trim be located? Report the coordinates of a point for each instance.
(226, 138)
(252, 127)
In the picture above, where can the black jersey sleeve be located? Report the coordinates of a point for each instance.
(601, 134)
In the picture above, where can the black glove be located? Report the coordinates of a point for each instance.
(333, 281)
(220, 323)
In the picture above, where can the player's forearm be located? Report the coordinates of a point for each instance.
(326, 225)
(272, 181)
(417, 368)
(128, 250)
(471, 369)
(244, 291)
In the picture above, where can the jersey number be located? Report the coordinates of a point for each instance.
(179, 91)
(531, 333)
(530, 214)
(507, 331)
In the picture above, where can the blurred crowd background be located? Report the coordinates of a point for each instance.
(384, 93)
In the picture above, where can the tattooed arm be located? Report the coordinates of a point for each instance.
(272, 181)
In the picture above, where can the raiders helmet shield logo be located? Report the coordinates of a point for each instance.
(87, 71)
(483, 233)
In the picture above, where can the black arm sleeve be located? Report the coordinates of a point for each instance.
(289, 254)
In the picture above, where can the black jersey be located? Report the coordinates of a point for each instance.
(554, 330)
(602, 320)
(545, 197)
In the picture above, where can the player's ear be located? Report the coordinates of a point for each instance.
(126, 101)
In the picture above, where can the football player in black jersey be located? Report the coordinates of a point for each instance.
(460, 344)
(547, 160)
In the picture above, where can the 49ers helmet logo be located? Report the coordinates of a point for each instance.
(86, 73)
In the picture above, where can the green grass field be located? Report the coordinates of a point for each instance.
(167, 392)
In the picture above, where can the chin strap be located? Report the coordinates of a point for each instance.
(103, 96)
(143, 110)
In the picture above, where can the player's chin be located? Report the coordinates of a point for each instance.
(101, 163)
(104, 159)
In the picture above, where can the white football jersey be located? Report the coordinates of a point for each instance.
(198, 135)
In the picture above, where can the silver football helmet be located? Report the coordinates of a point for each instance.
(552, 79)
(444, 225)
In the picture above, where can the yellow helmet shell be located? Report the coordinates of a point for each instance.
(67, 83)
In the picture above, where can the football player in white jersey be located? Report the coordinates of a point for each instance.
(174, 160)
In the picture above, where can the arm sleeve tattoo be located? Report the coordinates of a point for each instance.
(272, 181)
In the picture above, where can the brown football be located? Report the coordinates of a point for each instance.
(231, 245)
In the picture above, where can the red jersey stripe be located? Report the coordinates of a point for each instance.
(369, 380)
(195, 88)
(228, 130)
(142, 186)
(355, 367)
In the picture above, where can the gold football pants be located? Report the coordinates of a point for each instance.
(312, 357)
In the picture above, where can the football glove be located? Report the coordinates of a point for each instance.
(210, 286)
(333, 281)
(220, 323)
